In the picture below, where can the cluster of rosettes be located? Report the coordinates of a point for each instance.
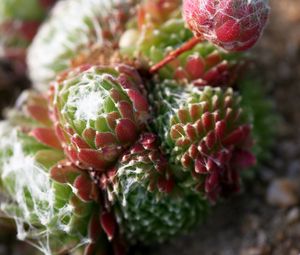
(99, 112)
(138, 148)
(101, 115)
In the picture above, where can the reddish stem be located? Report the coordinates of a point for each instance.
(174, 54)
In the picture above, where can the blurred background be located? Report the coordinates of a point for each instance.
(265, 219)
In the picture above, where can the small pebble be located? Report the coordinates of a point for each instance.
(283, 193)
(261, 238)
(293, 216)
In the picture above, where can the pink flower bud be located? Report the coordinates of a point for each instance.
(234, 25)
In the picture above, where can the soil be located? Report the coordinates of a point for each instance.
(251, 224)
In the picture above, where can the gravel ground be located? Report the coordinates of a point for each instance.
(265, 220)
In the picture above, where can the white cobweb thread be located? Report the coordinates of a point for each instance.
(32, 197)
(129, 177)
(88, 97)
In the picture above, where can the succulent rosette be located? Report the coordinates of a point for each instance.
(149, 206)
(72, 27)
(206, 131)
(145, 164)
(146, 219)
(99, 112)
(234, 25)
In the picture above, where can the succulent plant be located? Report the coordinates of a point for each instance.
(88, 219)
(147, 219)
(99, 112)
(72, 27)
(206, 131)
(149, 206)
(234, 25)
(206, 66)
(142, 128)
(144, 164)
